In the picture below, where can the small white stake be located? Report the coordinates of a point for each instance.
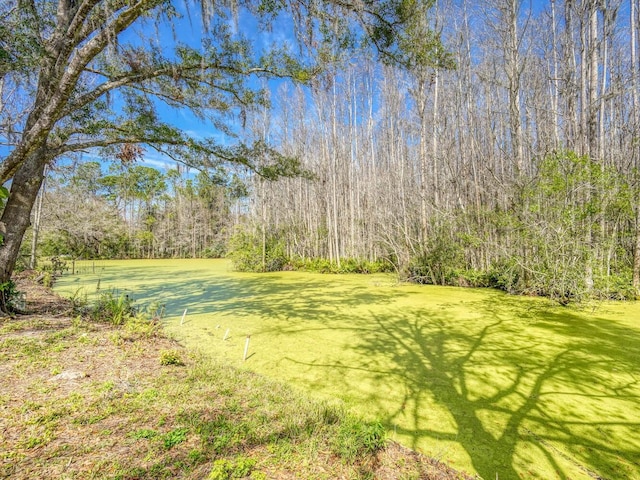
(183, 315)
(246, 348)
(226, 334)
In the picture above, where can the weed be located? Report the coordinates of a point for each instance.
(241, 467)
(107, 386)
(197, 456)
(155, 311)
(162, 420)
(144, 433)
(356, 438)
(112, 308)
(171, 357)
(175, 437)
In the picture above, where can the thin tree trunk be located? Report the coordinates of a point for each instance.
(513, 75)
(554, 81)
(36, 224)
(636, 149)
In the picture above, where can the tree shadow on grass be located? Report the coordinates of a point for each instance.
(312, 297)
(562, 391)
(528, 391)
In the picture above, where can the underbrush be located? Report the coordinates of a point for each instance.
(346, 265)
(563, 286)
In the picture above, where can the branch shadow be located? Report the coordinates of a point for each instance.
(549, 387)
(517, 381)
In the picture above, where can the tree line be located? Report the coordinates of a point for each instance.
(514, 163)
(102, 75)
(506, 155)
(129, 210)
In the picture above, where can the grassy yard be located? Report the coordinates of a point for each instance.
(504, 386)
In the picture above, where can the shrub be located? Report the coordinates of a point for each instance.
(474, 278)
(616, 287)
(216, 250)
(113, 309)
(440, 261)
(504, 275)
(251, 252)
(347, 265)
(9, 296)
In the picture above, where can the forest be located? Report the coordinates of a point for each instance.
(513, 163)
(510, 162)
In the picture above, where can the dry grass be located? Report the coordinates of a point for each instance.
(90, 400)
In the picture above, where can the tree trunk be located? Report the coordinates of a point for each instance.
(590, 109)
(36, 225)
(635, 152)
(513, 67)
(17, 213)
(554, 80)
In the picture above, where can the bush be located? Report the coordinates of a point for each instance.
(616, 287)
(9, 296)
(474, 278)
(250, 252)
(440, 261)
(347, 265)
(113, 309)
(216, 250)
(504, 275)
(318, 265)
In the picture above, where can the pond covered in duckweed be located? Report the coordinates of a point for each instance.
(507, 387)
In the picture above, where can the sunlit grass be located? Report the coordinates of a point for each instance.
(149, 412)
(504, 386)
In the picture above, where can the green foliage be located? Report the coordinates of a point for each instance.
(474, 278)
(216, 250)
(440, 261)
(9, 295)
(347, 265)
(356, 438)
(537, 246)
(112, 308)
(616, 287)
(241, 467)
(504, 275)
(171, 357)
(571, 199)
(420, 46)
(144, 433)
(251, 251)
(52, 268)
(174, 437)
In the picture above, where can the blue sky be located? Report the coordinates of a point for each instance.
(188, 29)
